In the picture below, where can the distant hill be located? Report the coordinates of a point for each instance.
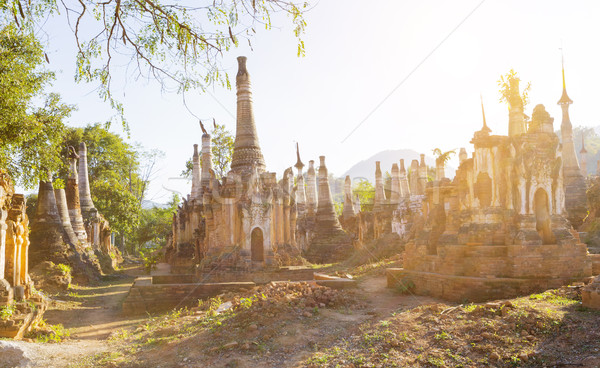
(366, 168)
(147, 204)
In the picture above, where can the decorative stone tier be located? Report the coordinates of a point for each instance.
(146, 297)
(28, 314)
(482, 272)
(471, 289)
(258, 277)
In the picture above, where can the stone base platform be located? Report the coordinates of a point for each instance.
(153, 294)
(470, 289)
(290, 273)
(146, 297)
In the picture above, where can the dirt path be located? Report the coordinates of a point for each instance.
(384, 301)
(99, 311)
(90, 314)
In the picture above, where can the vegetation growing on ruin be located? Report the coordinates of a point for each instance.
(222, 141)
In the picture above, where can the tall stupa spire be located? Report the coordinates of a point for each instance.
(246, 150)
(485, 127)
(564, 99)
(299, 165)
(574, 182)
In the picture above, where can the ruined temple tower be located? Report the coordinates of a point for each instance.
(330, 241)
(574, 183)
(300, 192)
(422, 176)
(348, 211)
(47, 234)
(404, 186)
(311, 188)
(414, 177)
(583, 155)
(85, 196)
(196, 192)
(246, 150)
(73, 203)
(395, 192)
(379, 190)
(63, 212)
(206, 164)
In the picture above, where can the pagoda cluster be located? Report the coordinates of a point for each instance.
(68, 228)
(249, 218)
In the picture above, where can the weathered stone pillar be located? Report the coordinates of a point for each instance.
(293, 217)
(404, 188)
(326, 217)
(63, 212)
(414, 177)
(330, 241)
(246, 150)
(574, 182)
(85, 196)
(16, 239)
(73, 203)
(25, 250)
(205, 179)
(396, 190)
(196, 187)
(422, 175)
(300, 190)
(286, 181)
(5, 191)
(12, 262)
(348, 205)
(311, 188)
(379, 191)
(49, 241)
(46, 210)
(439, 170)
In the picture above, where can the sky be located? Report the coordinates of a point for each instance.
(377, 75)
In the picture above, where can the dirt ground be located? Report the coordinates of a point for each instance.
(90, 314)
(304, 325)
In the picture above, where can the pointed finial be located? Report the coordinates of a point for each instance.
(564, 99)
(562, 63)
(485, 127)
(299, 165)
(202, 127)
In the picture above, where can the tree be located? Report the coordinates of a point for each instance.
(222, 142)
(366, 194)
(155, 225)
(221, 149)
(443, 157)
(30, 135)
(170, 41)
(505, 92)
